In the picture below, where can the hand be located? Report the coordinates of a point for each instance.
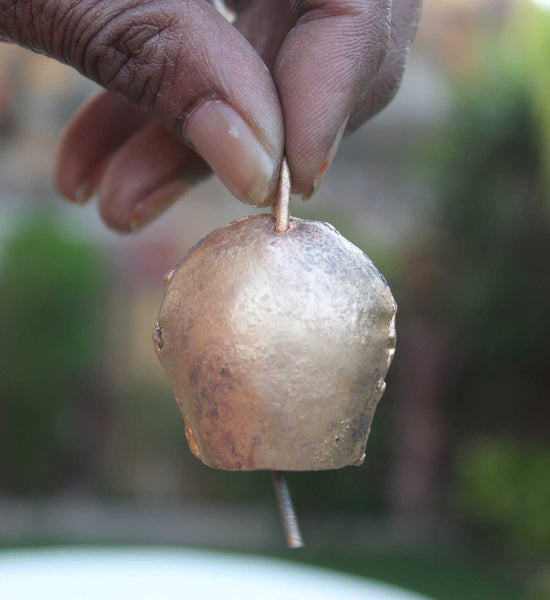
(187, 90)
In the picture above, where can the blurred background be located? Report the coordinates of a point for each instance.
(448, 191)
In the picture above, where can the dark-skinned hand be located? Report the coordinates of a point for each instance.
(187, 91)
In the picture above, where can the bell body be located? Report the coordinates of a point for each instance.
(277, 345)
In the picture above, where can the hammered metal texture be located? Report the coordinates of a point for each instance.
(277, 345)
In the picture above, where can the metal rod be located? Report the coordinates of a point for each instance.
(281, 208)
(288, 516)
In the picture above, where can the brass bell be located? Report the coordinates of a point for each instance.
(277, 334)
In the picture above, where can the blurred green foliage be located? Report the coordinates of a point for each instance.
(49, 292)
(505, 485)
(530, 39)
(494, 243)
(491, 173)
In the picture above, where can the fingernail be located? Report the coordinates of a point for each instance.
(80, 195)
(155, 203)
(328, 160)
(87, 189)
(228, 144)
(83, 193)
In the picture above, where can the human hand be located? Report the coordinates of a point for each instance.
(187, 90)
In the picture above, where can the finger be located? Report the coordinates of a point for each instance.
(145, 176)
(182, 63)
(324, 64)
(384, 86)
(100, 126)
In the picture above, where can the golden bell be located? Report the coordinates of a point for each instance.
(277, 345)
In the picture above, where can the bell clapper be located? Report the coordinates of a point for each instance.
(288, 516)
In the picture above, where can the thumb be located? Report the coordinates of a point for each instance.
(323, 68)
(182, 63)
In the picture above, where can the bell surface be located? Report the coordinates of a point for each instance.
(277, 345)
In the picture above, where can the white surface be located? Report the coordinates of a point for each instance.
(139, 574)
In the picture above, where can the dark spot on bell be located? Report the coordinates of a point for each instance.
(158, 337)
(212, 413)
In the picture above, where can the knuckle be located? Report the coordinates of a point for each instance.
(129, 53)
(36, 25)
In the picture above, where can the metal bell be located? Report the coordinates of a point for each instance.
(277, 345)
